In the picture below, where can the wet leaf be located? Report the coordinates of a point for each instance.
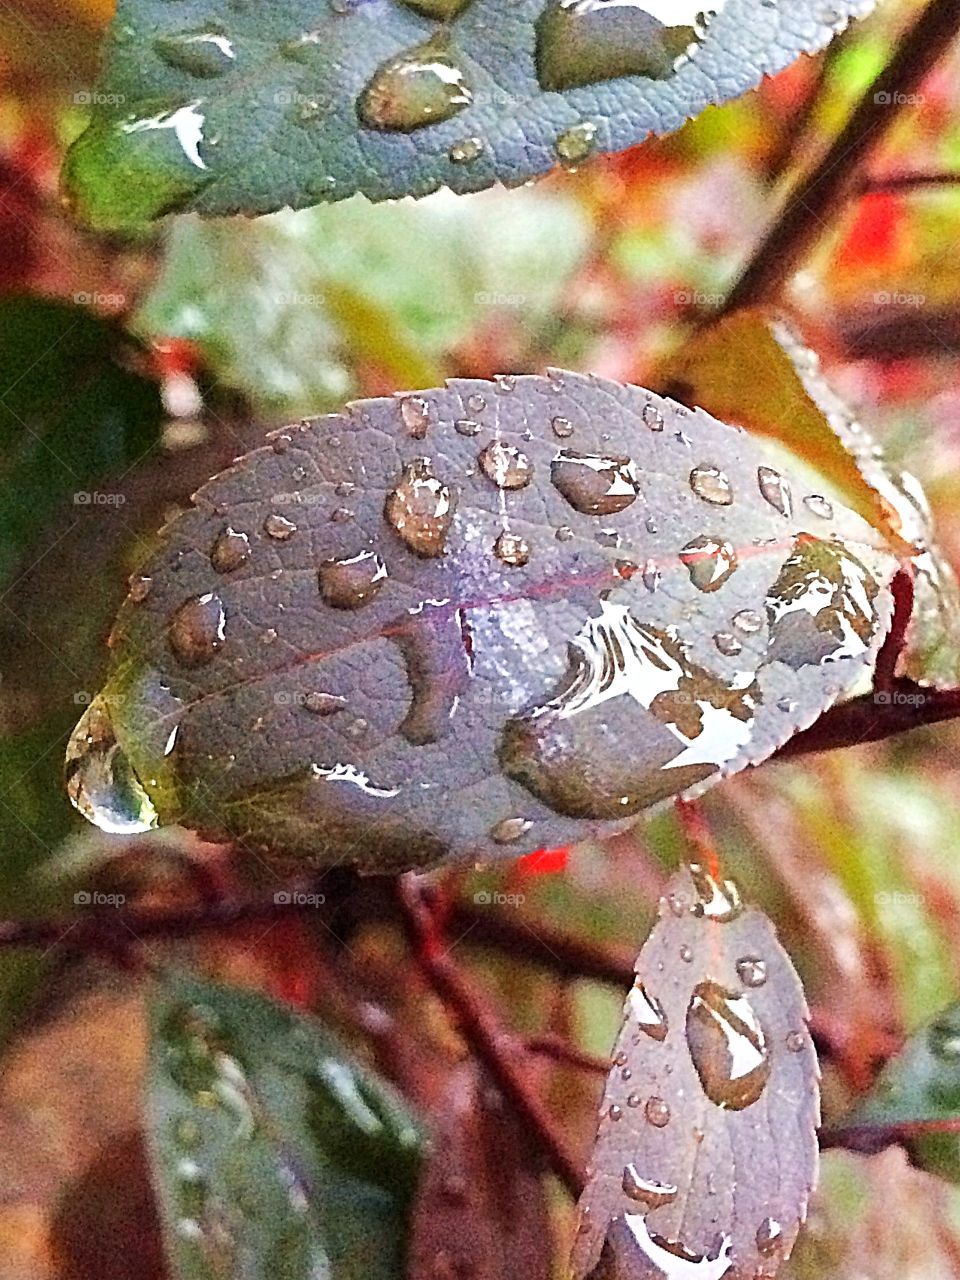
(235, 109)
(787, 399)
(274, 1153)
(481, 1210)
(474, 622)
(706, 1153)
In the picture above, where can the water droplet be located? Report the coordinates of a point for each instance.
(615, 1112)
(140, 588)
(466, 427)
(712, 485)
(342, 515)
(422, 86)
(748, 621)
(727, 644)
(795, 1041)
(709, 561)
(196, 630)
(593, 484)
(323, 704)
(564, 533)
(100, 780)
(716, 899)
(575, 144)
(506, 382)
(752, 971)
(819, 505)
(509, 830)
(205, 53)
(728, 1046)
(647, 1012)
(466, 150)
(352, 582)
(581, 42)
(775, 489)
(279, 527)
(420, 509)
(786, 705)
(686, 953)
(476, 402)
(344, 488)
(652, 417)
(822, 607)
(230, 551)
(769, 1234)
(512, 550)
(657, 1112)
(562, 428)
(646, 1191)
(505, 465)
(416, 415)
(652, 576)
(633, 1099)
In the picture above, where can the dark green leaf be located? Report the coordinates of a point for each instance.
(275, 1154)
(233, 108)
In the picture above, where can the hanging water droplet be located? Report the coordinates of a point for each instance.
(748, 621)
(576, 144)
(422, 86)
(205, 53)
(420, 509)
(646, 1191)
(230, 551)
(466, 427)
(775, 489)
(279, 527)
(562, 428)
(415, 413)
(323, 704)
(593, 484)
(752, 971)
(466, 150)
(100, 780)
(728, 1046)
(657, 1112)
(509, 830)
(512, 550)
(769, 1235)
(652, 417)
(819, 505)
(712, 485)
(505, 465)
(351, 582)
(727, 644)
(196, 630)
(716, 899)
(709, 561)
(647, 1011)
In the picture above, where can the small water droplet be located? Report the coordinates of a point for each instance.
(419, 87)
(615, 1112)
(466, 427)
(505, 465)
(593, 484)
(634, 1100)
(727, 644)
(709, 561)
(506, 382)
(728, 1046)
(647, 1012)
(819, 505)
(197, 628)
(323, 704)
(795, 1041)
(510, 829)
(576, 144)
(646, 1191)
(651, 576)
(420, 509)
(351, 582)
(476, 402)
(512, 550)
(466, 150)
(775, 489)
(140, 588)
(752, 971)
(786, 705)
(716, 899)
(415, 413)
(230, 551)
(344, 488)
(279, 527)
(100, 780)
(564, 533)
(712, 485)
(657, 1112)
(342, 515)
(686, 953)
(562, 428)
(206, 53)
(748, 621)
(652, 417)
(769, 1234)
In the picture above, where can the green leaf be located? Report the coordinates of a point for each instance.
(274, 1153)
(227, 109)
(70, 414)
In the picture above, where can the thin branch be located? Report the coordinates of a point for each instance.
(498, 1050)
(892, 183)
(810, 207)
(875, 716)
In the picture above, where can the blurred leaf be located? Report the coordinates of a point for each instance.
(248, 110)
(275, 1154)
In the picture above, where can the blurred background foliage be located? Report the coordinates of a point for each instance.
(186, 345)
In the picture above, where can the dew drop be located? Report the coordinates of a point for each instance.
(564, 533)
(505, 465)
(819, 505)
(786, 705)
(420, 509)
(352, 582)
(712, 485)
(795, 1041)
(562, 428)
(615, 1112)
(466, 427)
(727, 644)
(686, 953)
(576, 144)
(466, 150)
(415, 413)
(422, 86)
(769, 1235)
(205, 53)
(748, 621)
(510, 829)
(593, 484)
(512, 550)
(196, 630)
(140, 589)
(100, 780)
(323, 704)
(652, 417)
(752, 971)
(728, 1046)
(279, 527)
(647, 1012)
(476, 402)
(230, 551)
(657, 1112)
(646, 1191)
(775, 489)
(709, 561)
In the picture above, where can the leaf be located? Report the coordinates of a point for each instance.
(222, 109)
(475, 622)
(481, 1210)
(787, 399)
(69, 415)
(274, 1153)
(917, 1088)
(707, 1144)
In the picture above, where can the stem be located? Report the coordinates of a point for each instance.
(890, 184)
(810, 207)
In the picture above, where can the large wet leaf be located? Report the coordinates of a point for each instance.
(274, 1153)
(706, 1153)
(226, 108)
(787, 399)
(474, 622)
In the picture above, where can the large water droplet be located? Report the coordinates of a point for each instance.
(712, 485)
(646, 1191)
(505, 465)
(230, 551)
(205, 53)
(196, 630)
(421, 509)
(728, 1046)
(512, 550)
(752, 971)
(319, 703)
(352, 582)
(775, 489)
(422, 86)
(709, 561)
(580, 42)
(100, 780)
(822, 606)
(415, 412)
(647, 1011)
(593, 484)
(657, 1112)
